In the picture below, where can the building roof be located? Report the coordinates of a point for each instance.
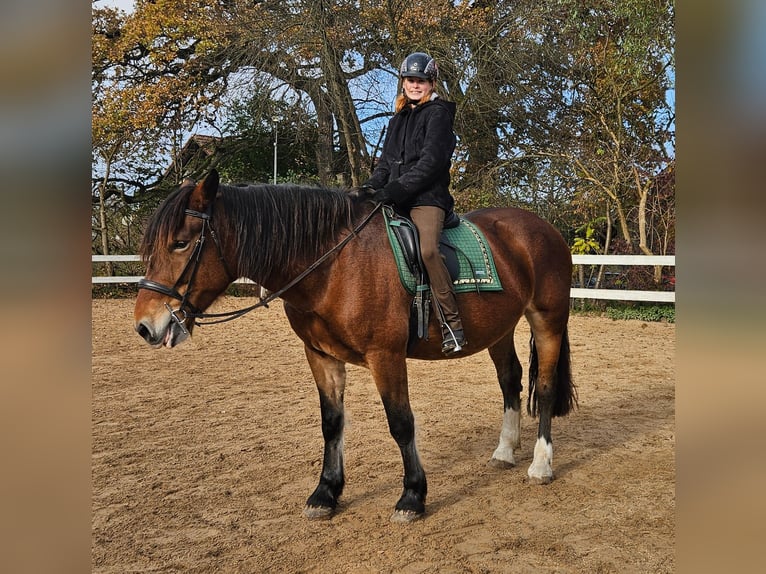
(197, 147)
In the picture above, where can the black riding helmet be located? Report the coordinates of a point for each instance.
(419, 65)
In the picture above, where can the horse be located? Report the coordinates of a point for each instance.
(324, 253)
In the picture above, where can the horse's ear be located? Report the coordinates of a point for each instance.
(204, 193)
(210, 185)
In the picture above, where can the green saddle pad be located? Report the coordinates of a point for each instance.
(476, 265)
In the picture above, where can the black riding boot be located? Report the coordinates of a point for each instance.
(454, 340)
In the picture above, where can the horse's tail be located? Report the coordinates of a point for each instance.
(565, 393)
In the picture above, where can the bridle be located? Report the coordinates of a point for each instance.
(187, 309)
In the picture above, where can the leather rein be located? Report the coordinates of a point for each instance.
(187, 310)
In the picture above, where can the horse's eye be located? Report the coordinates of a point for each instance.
(180, 245)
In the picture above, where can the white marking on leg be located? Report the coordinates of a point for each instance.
(510, 437)
(338, 446)
(541, 469)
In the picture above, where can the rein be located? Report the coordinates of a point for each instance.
(223, 317)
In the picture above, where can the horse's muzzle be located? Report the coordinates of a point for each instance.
(173, 333)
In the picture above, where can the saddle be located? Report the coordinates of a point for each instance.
(466, 253)
(407, 235)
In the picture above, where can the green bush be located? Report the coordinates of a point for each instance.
(655, 313)
(130, 290)
(113, 290)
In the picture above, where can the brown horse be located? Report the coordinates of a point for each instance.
(326, 255)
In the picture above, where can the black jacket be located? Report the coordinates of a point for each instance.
(417, 152)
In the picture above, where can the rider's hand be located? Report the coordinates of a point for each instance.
(361, 191)
(382, 196)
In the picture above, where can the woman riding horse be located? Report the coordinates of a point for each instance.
(413, 175)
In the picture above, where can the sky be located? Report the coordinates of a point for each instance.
(126, 5)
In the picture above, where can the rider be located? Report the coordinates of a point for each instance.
(413, 174)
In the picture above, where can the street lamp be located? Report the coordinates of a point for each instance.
(274, 129)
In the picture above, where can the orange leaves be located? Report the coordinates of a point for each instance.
(153, 65)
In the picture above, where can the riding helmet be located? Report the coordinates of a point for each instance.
(419, 65)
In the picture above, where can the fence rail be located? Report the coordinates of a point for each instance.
(575, 293)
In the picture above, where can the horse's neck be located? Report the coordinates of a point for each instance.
(295, 269)
(309, 279)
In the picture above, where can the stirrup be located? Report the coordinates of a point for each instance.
(453, 342)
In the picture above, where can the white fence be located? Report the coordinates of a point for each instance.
(624, 294)
(575, 293)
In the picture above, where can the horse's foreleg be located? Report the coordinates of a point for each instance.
(391, 381)
(509, 373)
(330, 377)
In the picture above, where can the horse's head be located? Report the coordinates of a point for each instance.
(186, 270)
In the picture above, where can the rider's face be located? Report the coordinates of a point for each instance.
(416, 88)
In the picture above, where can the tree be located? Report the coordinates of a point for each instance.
(561, 104)
(114, 123)
(620, 53)
(251, 128)
(144, 100)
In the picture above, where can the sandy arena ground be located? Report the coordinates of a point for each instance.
(204, 455)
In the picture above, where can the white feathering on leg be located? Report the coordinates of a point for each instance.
(541, 469)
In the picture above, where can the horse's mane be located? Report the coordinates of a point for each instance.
(271, 226)
(276, 226)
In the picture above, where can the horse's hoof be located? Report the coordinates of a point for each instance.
(540, 479)
(405, 516)
(318, 512)
(500, 464)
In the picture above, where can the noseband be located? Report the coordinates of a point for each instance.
(186, 309)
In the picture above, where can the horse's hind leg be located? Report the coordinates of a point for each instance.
(551, 391)
(330, 377)
(509, 373)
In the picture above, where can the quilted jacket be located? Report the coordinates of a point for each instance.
(417, 155)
